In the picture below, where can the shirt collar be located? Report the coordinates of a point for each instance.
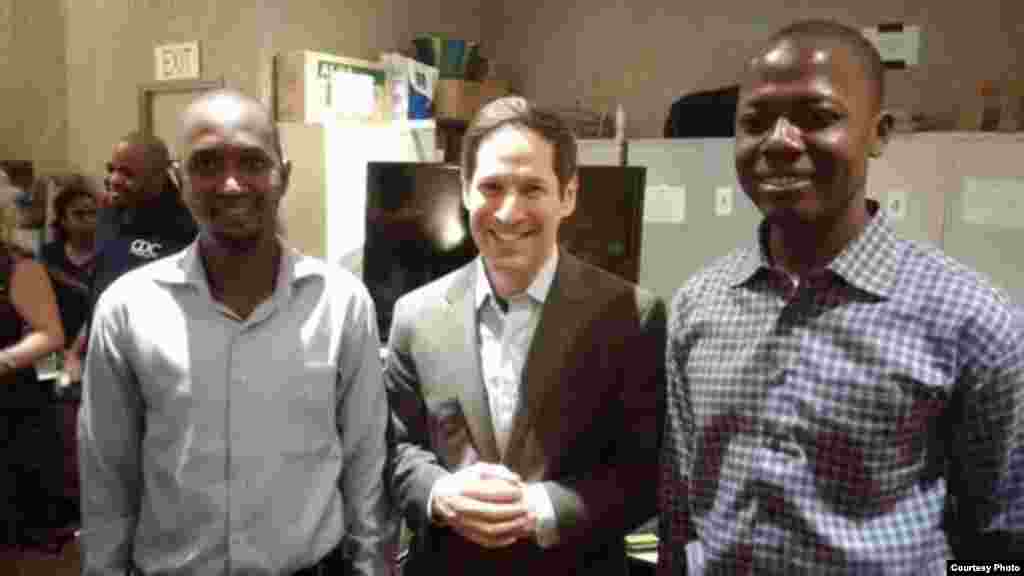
(537, 290)
(869, 262)
(188, 270)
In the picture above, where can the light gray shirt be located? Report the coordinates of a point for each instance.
(505, 338)
(214, 445)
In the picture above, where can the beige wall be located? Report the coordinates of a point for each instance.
(71, 67)
(646, 53)
(33, 84)
(110, 48)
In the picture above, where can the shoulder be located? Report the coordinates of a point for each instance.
(957, 300)
(433, 294)
(339, 284)
(140, 283)
(711, 281)
(601, 285)
(25, 269)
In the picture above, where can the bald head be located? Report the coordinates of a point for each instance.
(830, 33)
(229, 108)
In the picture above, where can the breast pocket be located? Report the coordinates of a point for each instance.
(449, 433)
(307, 401)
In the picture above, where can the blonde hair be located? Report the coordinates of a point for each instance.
(8, 211)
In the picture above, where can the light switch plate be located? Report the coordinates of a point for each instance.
(896, 204)
(723, 201)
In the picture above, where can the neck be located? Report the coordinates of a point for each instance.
(241, 279)
(509, 283)
(80, 243)
(800, 248)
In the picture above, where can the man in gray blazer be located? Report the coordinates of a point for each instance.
(525, 387)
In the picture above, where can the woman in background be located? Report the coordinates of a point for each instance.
(30, 329)
(69, 258)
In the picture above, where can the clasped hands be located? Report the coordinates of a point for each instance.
(485, 504)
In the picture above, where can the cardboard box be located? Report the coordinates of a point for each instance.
(315, 87)
(462, 99)
(1013, 107)
(994, 106)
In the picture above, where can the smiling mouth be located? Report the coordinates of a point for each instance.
(502, 237)
(783, 183)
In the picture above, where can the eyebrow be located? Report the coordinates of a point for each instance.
(776, 100)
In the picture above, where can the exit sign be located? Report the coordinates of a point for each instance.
(177, 61)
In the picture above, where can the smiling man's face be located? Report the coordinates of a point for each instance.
(516, 206)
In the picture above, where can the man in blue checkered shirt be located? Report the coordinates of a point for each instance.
(840, 400)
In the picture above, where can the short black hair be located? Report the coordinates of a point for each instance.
(71, 186)
(518, 111)
(158, 157)
(851, 38)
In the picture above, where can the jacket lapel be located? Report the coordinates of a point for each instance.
(469, 387)
(546, 362)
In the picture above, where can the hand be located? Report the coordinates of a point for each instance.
(485, 504)
(72, 365)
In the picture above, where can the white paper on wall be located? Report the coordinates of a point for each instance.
(994, 202)
(665, 204)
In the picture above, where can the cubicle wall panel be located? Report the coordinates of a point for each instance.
(687, 222)
(603, 152)
(909, 180)
(984, 216)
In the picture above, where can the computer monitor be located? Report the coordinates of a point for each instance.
(416, 230)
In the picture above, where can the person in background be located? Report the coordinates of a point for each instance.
(69, 258)
(525, 385)
(146, 220)
(233, 415)
(30, 329)
(840, 400)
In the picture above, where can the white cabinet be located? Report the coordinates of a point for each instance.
(324, 210)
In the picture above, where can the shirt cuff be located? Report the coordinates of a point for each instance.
(539, 503)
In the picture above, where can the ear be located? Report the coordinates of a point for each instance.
(569, 197)
(465, 195)
(286, 175)
(881, 132)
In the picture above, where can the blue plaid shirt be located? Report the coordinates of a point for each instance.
(829, 426)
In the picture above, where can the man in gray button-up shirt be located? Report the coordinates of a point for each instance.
(233, 416)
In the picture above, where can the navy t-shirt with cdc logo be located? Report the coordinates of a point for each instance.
(161, 230)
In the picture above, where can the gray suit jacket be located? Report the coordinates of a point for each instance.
(587, 426)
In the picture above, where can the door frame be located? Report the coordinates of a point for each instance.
(149, 91)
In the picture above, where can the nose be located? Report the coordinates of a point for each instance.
(115, 179)
(231, 184)
(508, 209)
(785, 135)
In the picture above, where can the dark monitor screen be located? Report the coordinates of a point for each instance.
(416, 230)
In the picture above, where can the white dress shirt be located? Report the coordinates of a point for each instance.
(505, 338)
(215, 445)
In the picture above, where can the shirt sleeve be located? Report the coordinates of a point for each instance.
(362, 420)
(675, 457)
(986, 476)
(539, 503)
(109, 429)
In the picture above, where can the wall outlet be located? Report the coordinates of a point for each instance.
(723, 201)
